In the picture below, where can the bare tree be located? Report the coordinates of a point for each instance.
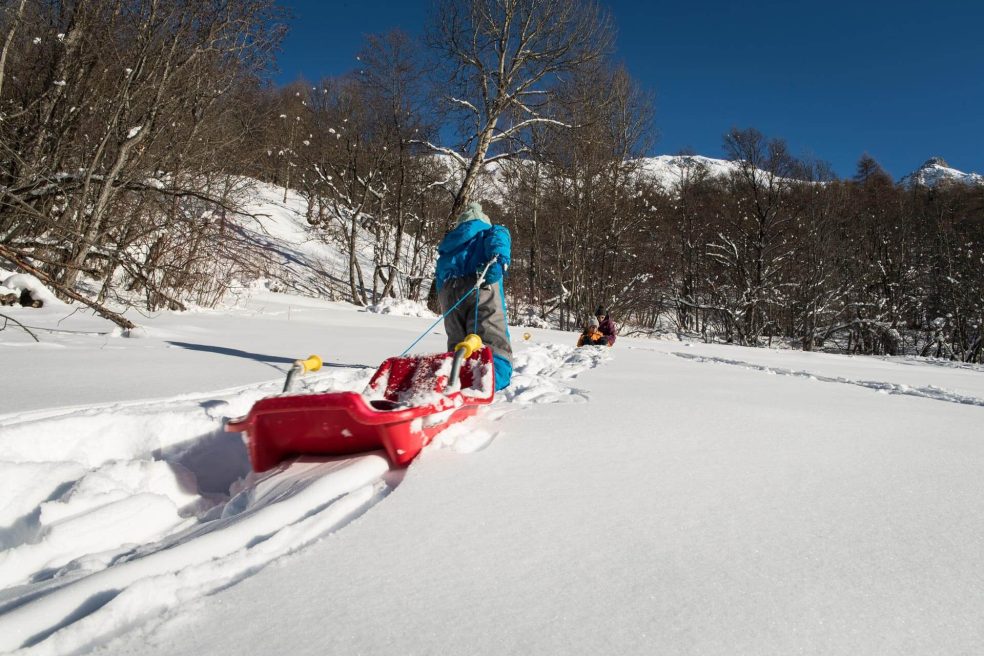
(754, 249)
(580, 191)
(392, 74)
(501, 60)
(115, 126)
(13, 23)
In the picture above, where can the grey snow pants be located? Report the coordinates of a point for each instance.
(493, 327)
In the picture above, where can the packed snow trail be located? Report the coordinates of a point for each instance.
(960, 379)
(927, 392)
(200, 563)
(175, 511)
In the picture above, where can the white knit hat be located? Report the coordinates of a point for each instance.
(473, 212)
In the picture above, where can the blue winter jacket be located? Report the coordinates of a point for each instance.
(468, 248)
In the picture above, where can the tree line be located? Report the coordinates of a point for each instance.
(776, 250)
(132, 130)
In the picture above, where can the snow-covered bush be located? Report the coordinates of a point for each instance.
(21, 282)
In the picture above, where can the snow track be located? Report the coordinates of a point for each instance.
(112, 516)
(294, 511)
(542, 373)
(885, 387)
(124, 494)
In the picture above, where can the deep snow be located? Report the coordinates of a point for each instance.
(659, 497)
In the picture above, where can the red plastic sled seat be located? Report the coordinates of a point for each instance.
(405, 404)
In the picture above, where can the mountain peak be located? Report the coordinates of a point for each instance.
(936, 161)
(937, 172)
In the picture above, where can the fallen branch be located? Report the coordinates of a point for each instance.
(100, 309)
(25, 328)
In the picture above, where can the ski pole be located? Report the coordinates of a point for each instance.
(312, 363)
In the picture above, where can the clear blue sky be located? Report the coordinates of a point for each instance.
(902, 80)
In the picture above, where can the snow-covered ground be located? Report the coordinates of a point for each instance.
(658, 497)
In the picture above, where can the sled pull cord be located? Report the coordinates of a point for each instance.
(475, 323)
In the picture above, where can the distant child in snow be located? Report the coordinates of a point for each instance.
(606, 325)
(591, 336)
(462, 255)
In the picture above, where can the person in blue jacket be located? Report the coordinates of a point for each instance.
(462, 255)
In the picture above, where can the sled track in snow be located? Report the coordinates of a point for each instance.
(542, 373)
(928, 392)
(94, 608)
(140, 507)
(136, 507)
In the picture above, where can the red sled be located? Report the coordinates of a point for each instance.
(406, 403)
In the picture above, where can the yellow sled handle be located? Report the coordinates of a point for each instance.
(312, 363)
(300, 367)
(470, 344)
(463, 351)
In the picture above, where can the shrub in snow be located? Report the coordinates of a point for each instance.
(30, 290)
(140, 332)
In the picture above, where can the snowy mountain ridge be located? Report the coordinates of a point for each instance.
(935, 172)
(670, 170)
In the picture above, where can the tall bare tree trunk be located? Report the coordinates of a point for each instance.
(474, 169)
(10, 38)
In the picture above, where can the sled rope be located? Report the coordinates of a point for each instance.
(478, 284)
(434, 325)
(475, 324)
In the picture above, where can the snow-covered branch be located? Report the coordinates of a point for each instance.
(510, 132)
(443, 151)
(464, 103)
(509, 155)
